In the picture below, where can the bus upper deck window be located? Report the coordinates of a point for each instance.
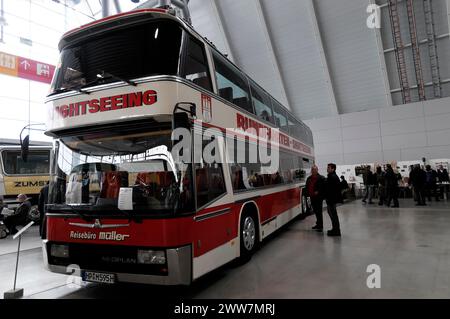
(196, 65)
(232, 84)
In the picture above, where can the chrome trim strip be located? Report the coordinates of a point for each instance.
(99, 226)
(212, 214)
(114, 85)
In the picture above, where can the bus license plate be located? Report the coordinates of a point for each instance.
(99, 277)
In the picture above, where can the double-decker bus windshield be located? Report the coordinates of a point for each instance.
(91, 170)
(127, 53)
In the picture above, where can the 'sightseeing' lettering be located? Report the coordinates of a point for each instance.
(105, 104)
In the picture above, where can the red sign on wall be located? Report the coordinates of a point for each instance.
(26, 68)
(35, 71)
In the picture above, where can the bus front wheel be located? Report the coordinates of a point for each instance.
(249, 236)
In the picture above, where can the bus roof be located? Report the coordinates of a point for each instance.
(161, 13)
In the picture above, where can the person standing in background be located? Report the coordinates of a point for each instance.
(332, 196)
(381, 183)
(344, 188)
(368, 183)
(417, 179)
(43, 200)
(430, 183)
(443, 178)
(314, 189)
(391, 185)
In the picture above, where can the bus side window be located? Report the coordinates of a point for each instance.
(196, 65)
(232, 84)
(209, 182)
(262, 104)
(280, 116)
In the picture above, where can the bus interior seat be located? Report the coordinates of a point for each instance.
(267, 179)
(242, 102)
(227, 93)
(146, 178)
(165, 178)
(201, 180)
(112, 182)
(238, 182)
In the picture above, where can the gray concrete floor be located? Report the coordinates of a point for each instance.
(410, 244)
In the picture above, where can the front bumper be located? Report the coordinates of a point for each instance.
(179, 265)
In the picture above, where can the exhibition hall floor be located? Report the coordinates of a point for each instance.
(411, 245)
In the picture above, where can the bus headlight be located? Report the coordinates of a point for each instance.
(60, 251)
(155, 257)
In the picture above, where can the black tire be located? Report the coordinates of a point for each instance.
(248, 236)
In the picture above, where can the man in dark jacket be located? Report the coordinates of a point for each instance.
(368, 180)
(443, 174)
(443, 178)
(314, 189)
(333, 196)
(43, 200)
(417, 179)
(381, 185)
(430, 184)
(391, 185)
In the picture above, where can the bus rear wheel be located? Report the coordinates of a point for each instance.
(249, 236)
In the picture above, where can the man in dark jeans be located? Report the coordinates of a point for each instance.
(430, 184)
(381, 184)
(314, 189)
(368, 179)
(417, 179)
(332, 196)
(391, 184)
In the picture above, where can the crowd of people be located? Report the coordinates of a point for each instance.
(383, 184)
(386, 184)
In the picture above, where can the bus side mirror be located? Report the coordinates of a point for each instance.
(24, 147)
(181, 119)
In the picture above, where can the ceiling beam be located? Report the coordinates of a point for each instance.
(222, 30)
(382, 60)
(105, 8)
(325, 69)
(448, 13)
(271, 51)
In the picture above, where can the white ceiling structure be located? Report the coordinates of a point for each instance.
(317, 57)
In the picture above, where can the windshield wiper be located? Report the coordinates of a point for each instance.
(102, 75)
(66, 207)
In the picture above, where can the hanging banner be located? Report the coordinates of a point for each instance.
(26, 68)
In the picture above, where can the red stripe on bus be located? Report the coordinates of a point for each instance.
(205, 235)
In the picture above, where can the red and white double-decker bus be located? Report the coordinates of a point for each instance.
(121, 206)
